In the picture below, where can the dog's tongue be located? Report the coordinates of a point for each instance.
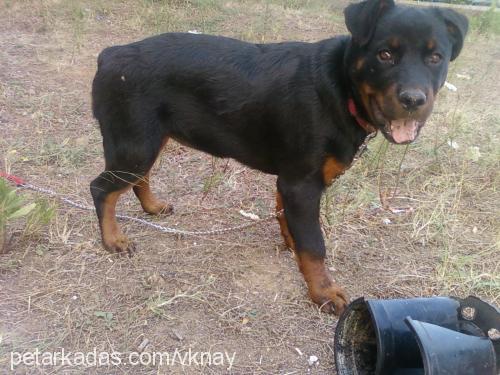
(404, 130)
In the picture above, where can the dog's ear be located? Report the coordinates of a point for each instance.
(361, 18)
(457, 26)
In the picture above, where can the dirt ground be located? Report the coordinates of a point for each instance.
(402, 222)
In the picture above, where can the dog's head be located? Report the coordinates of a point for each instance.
(398, 60)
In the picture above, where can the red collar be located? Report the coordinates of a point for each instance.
(367, 127)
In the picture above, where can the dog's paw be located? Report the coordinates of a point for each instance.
(159, 208)
(329, 296)
(120, 245)
(332, 300)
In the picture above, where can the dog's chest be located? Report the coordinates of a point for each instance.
(332, 168)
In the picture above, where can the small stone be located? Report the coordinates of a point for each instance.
(176, 335)
(143, 345)
(312, 360)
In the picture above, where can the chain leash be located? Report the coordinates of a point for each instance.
(20, 183)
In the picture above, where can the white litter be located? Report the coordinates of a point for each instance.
(450, 87)
(249, 215)
(194, 32)
(454, 145)
(312, 360)
(143, 345)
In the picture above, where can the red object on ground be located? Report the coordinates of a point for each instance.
(16, 180)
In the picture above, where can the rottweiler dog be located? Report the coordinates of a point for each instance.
(296, 110)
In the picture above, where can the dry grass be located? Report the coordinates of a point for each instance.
(237, 292)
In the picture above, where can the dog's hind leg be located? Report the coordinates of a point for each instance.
(106, 190)
(127, 165)
(149, 202)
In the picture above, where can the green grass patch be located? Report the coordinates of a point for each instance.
(472, 274)
(486, 22)
(14, 209)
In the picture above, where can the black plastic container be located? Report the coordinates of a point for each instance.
(448, 352)
(374, 336)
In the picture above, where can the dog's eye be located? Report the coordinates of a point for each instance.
(435, 58)
(385, 55)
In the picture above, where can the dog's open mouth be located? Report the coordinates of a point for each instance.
(400, 131)
(404, 131)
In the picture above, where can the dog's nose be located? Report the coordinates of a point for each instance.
(411, 99)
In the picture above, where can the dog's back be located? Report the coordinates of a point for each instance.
(220, 95)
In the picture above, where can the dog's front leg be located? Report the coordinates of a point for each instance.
(301, 204)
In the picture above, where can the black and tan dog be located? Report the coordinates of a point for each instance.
(296, 110)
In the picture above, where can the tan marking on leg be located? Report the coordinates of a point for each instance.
(287, 236)
(149, 202)
(331, 169)
(322, 289)
(112, 237)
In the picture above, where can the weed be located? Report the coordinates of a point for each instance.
(215, 178)
(12, 208)
(486, 22)
(293, 4)
(156, 303)
(212, 181)
(469, 274)
(61, 154)
(107, 316)
(41, 216)
(78, 15)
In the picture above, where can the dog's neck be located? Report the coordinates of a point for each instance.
(336, 90)
(353, 102)
(353, 110)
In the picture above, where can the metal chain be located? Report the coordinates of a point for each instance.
(363, 146)
(162, 228)
(159, 227)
